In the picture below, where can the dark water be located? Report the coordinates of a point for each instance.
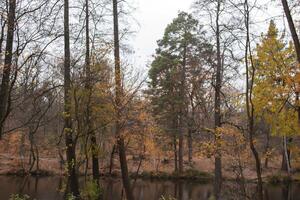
(48, 188)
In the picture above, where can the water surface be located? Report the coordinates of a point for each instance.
(49, 188)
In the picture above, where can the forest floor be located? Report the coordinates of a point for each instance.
(14, 162)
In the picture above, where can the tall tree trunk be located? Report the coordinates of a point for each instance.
(111, 162)
(32, 151)
(249, 102)
(292, 28)
(218, 161)
(174, 128)
(182, 113)
(95, 161)
(175, 153)
(267, 149)
(180, 149)
(286, 153)
(118, 96)
(297, 48)
(3, 24)
(190, 146)
(68, 131)
(4, 90)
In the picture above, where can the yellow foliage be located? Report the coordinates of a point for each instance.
(275, 77)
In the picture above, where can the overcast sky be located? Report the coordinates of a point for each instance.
(154, 15)
(153, 19)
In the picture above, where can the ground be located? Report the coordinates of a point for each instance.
(12, 161)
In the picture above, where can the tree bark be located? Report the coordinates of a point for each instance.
(182, 112)
(4, 91)
(190, 146)
(2, 35)
(111, 163)
(218, 161)
(267, 149)
(175, 153)
(118, 95)
(297, 48)
(249, 102)
(286, 153)
(68, 131)
(95, 160)
(292, 28)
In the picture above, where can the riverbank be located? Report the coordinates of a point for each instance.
(13, 161)
(188, 175)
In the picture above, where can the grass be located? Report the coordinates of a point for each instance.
(190, 174)
(279, 178)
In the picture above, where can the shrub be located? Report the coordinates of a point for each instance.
(92, 191)
(19, 197)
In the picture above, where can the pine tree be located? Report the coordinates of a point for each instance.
(178, 57)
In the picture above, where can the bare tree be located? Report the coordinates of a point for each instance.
(68, 129)
(218, 161)
(88, 88)
(118, 104)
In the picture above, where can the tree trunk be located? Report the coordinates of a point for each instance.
(286, 153)
(95, 161)
(2, 35)
(297, 48)
(190, 146)
(175, 153)
(7, 64)
(111, 163)
(32, 151)
(292, 28)
(118, 95)
(249, 102)
(182, 114)
(174, 126)
(37, 158)
(257, 164)
(267, 149)
(68, 131)
(218, 161)
(180, 149)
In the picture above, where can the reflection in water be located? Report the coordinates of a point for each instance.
(49, 188)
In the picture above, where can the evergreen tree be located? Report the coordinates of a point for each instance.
(180, 56)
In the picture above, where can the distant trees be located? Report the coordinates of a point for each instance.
(193, 95)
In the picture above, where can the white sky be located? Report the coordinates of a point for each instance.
(153, 17)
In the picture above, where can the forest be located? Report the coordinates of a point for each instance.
(212, 114)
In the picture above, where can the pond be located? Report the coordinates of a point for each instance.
(48, 188)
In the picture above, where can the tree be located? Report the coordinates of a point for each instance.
(222, 26)
(274, 87)
(5, 84)
(118, 104)
(181, 56)
(297, 49)
(88, 87)
(68, 129)
(218, 85)
(250, 107)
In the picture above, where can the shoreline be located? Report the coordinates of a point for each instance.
(194, 176)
